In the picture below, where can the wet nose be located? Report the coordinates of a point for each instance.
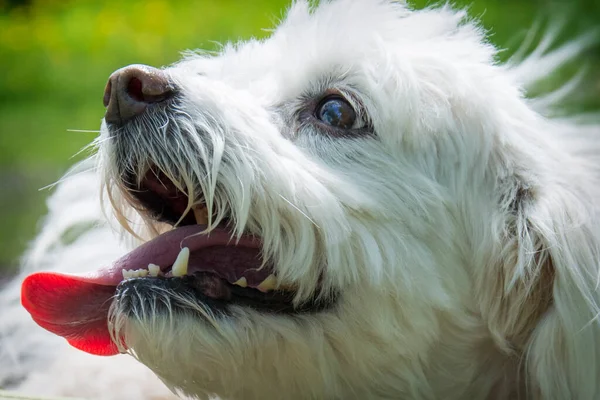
(131, 89)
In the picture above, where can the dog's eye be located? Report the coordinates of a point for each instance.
(337, 112)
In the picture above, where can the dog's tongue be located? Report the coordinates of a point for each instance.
(73, 307)
(76, 306)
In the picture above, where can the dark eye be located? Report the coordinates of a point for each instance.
(337, 112)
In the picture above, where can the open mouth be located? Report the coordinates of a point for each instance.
(214, 269)
(212, 265)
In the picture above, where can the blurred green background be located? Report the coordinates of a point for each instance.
(56, 55)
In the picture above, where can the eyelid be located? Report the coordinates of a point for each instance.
(329, 94)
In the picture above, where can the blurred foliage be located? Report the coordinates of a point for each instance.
(55, 57)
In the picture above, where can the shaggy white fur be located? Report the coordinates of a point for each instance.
(456, 221)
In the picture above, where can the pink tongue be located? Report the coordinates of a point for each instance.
(76, 306)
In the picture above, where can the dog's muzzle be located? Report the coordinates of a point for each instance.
(130, 90)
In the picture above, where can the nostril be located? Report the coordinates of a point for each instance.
(147, 90)
(135, 89)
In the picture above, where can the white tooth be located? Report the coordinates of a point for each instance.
(268, 284)
(201, 214)
(241, 282)
(153, 269)
(180, 265)
(134, 273)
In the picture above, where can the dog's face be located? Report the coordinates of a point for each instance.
(348, 191)
(334, 144)
(349, 145)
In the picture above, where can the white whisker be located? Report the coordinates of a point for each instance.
(299, 210)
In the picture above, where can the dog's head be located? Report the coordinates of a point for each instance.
(360, 205)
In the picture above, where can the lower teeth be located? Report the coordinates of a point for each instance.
(180, 268)
(153, 269)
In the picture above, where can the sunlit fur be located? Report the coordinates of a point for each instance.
(462, 234)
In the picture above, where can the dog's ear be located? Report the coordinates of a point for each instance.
(540, 297)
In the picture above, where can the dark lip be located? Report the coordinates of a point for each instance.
(193, 289)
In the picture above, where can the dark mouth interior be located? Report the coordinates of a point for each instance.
(159, 197)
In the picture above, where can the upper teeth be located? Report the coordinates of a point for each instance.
(180, 266)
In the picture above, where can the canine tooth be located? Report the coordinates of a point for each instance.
(241, 282)
(201, 214)
(268, 284)
(153, 269)
(180, 265)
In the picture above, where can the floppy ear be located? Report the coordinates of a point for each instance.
(540, 297)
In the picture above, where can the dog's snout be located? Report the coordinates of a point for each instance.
(131, 89)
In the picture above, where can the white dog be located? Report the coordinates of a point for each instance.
(363, 206)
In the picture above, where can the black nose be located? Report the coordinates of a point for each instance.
(129, 91)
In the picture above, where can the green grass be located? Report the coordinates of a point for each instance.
(55, 57)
